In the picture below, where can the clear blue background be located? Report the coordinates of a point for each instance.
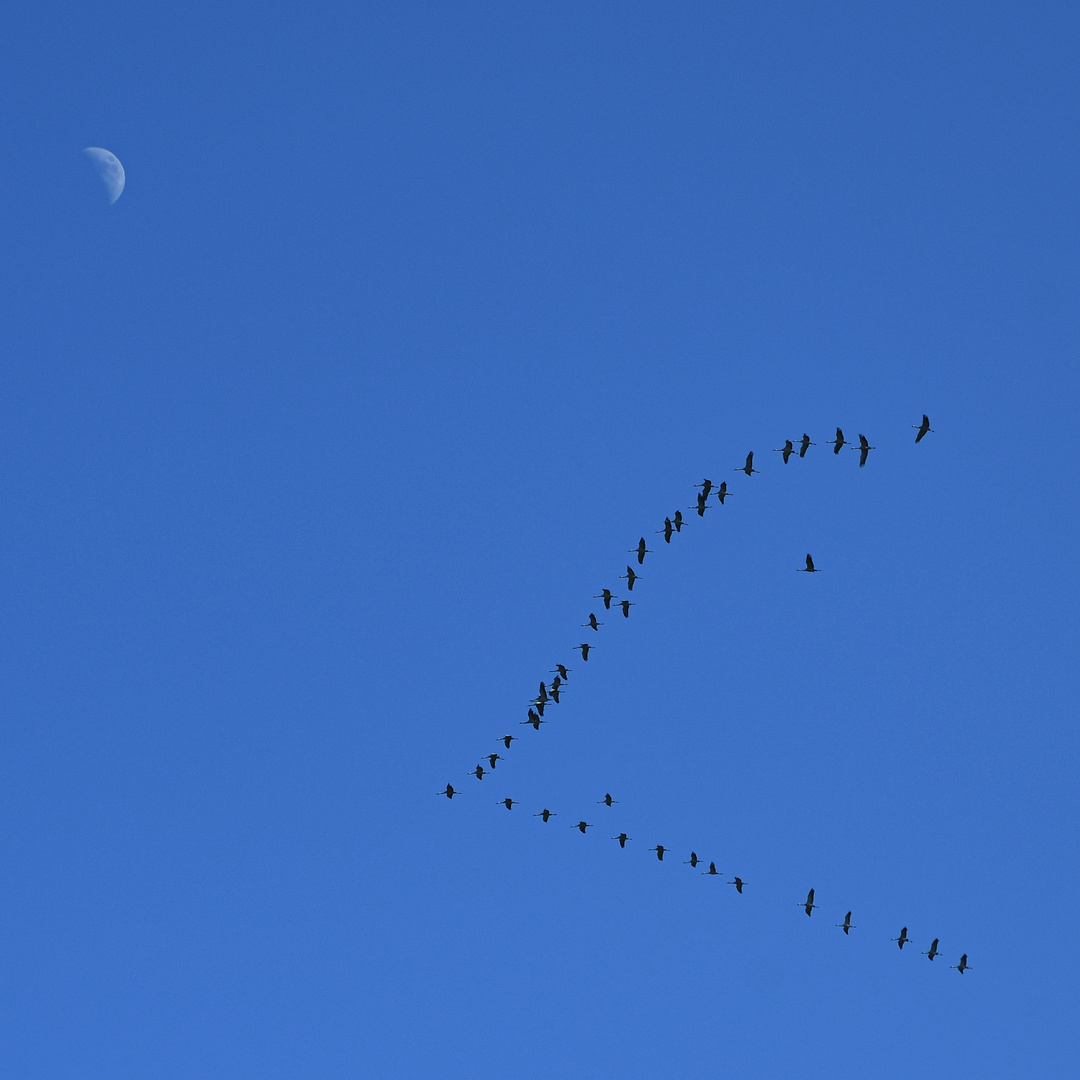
(315, 447)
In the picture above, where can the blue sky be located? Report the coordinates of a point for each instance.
(316, 446)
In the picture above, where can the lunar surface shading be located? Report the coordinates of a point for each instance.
(109, 169)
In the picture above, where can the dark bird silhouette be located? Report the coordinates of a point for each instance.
(631, 577)
(903, 939)
(701, 506)
(622, 838)
(722, 492)
(479, 772)
(809, 568)
(840, 441)
(542, 694)
(606, 596)
(641, 551)
(924, 427)
(607, 800)
(534, 719)
(738, 883)
(962, 966)
(555, 692)
(667, 530)
(508, 803)
(692, 861)
(581, 826)
(507, 740)
(712, 871)
(563, 670)
(493, 758)
(626, 605)
(592, 622)
(659, 849)
(846, 924)
(450, 791)
(539, 706)
(706, 486)
(805, 444)
(677, 521)
(748, 468)
(864, 449)
(585, 648)
(809, 905)
(787, 450)
(545, 814)
(933, 951)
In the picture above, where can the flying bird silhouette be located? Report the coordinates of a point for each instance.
(592, 622)
(493, 758)
(585, 648)
(564, 672)
(641, 551)
(805, 444)
(667, 530)
(706, 486)
(622, 838)
(607, 800)
(631, 577)
(809, 568)
(846, 924)
(534, 719)
(450, 791)
(840, 441)
(626, 605)
(677, 520)
(478, 772)
(712, 871)
(701, 506)
(581, 826)
(738, 883)
(787, 450)
(748, 468)
(933, 950)
(692, 861)
(962, 966)
(903, 939)
(507, 740)
(508, 803)
(722, 492)
(864, 449)
(606, 596)
(924, 427)
(545, 814)
(659, 849)
(809, 904)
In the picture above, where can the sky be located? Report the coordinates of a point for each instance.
(317, 444)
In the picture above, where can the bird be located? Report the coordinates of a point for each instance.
(555, 692)
(712, 871)
(542, 692)
(692, 861)
(539, 705)
(706, 486)
(641, 551)
(787, 450)
(840, 441)
(809, 905)
(701, 506)
(622, 838)
(450, 791)
(667, 530)
(581, 826)
(606, 596)
(534, 719)
(631, 577)
(924, 427)
(626, 605)
(584, 647)
(478, 772)
(933, 951)
(809, 568)
(903, 939)
(962, 966)
(748, 468)
(846, 924)
(805, 444)
(592, 622)
(722, 492)
(507, 740)
(508, 803)
(545, 814)
(493, 758)
(563, 670)
(864, 449)
(607, 800)
(738, 883)
(677, 520)
(659, 849)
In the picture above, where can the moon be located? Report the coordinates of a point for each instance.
(109, 169)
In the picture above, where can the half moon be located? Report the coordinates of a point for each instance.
(109, 169)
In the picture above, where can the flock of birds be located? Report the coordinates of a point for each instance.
(550, 691)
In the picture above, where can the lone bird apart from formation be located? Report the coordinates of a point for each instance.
(545, 814)
(450, 791)
(809, 905)
(903, 939)
(706, 486)
(787, 450)
(493, 758)
(581, 826)
(840, 441)
(592, 622)
(722, 492)
(748, 468)
(605, 595)
(923, 428)
(607, 800)
(810, 568)
(805, 444)
(626, 605)
(641, 551)
(631, 577)
(622, 838)
(864, 448)
(692, 861)
(738, 883)
(507, 740)
(712, 871)
(585, 647)
(962, 966)
(846, 924)
(563, 670)
(508, 803)
(659, 849)
(933, 950)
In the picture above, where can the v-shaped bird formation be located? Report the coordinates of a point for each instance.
(549, 692)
